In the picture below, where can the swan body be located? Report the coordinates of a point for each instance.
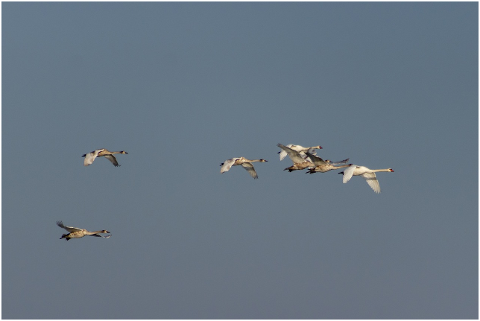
(299, 162)
(102, 152)
(75, 232)
(323, 166)
(242, 161)
(365, 172)
(302, 150)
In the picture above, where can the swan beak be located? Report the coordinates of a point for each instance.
(391, 170)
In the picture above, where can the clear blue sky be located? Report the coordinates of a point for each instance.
(183, 86)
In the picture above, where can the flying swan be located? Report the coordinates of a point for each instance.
(245, 163)
(365, 172)
(90, 157)
(76, 232)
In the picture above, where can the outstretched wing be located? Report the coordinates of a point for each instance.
(294, 155)
(112, 159)
(372, 181)
(283, 153)
(250, 169)
(89, 158)
(227, 165)
(315, 159)
(98, 235)
(340, 162)
(68, 228)
(348, 173)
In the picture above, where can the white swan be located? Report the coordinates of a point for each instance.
(299, 162)
(365, 172)
(76, 232)
(302, 150)
(90, 157)
(245, 163)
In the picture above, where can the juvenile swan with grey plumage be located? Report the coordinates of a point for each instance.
(323, 166)
(75, 232)
(90, 157)
(245, 163)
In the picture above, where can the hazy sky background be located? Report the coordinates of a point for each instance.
(182, 87)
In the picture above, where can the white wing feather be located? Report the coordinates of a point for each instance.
(227, 165)
(293, 154)
(283, 153)
(372, 181)
(89, 158)
(348, 173)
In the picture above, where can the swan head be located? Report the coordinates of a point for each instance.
(123, 152)
(317, 147)
(390, 170)
(263, 160)
(104, 231)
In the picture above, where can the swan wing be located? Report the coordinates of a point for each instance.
(372, 181)
(315, 159)
(112, 159)
(340, 162)
(294, 155)
(250, 169)
(312, 151)
(348, 173)
(297, 148)
(98, 235)
(89, 158)
(68, 228)
(226, 165)
(283, 153)
(305, 156)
